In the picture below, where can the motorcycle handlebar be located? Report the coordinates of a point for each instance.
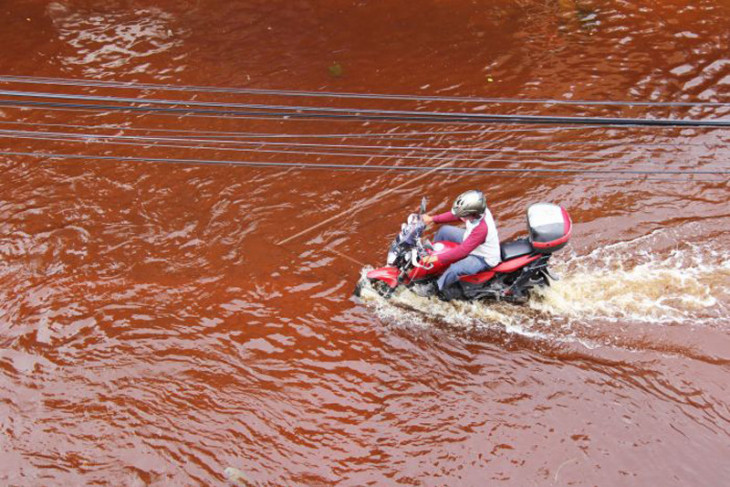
(414, 261)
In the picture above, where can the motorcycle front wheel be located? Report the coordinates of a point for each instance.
(377, 285)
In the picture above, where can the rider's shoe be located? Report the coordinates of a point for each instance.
(449, 293)
(425, 290)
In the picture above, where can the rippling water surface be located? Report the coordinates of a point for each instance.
(156, 331)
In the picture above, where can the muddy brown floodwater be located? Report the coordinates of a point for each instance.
(155, 332)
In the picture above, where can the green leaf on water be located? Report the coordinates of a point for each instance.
(336, 69)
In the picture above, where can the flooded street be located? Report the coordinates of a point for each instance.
(176, 284)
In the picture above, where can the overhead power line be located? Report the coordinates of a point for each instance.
(216, 134)
(391, 133)
(214, 114)
(294, 151)
(330, 94)
(415, 136)
(350, 167)
(264, 142)
(180, 106)
(411, 152)
(131, 141)
(101, 111)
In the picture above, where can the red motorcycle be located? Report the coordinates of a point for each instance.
(524, 263)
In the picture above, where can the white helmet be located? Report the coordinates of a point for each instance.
(470, 203)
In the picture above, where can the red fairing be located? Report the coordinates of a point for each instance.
(515, 264)
(389, 275)
(439, 267)
(503, 268)
(478, 278)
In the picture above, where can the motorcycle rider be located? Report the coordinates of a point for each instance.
(478, 248)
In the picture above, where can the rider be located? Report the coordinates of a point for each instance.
(478, 248)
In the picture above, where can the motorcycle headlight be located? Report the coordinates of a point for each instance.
(391, 258)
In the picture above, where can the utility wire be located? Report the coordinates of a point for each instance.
(367, 114)
(297, 152)
(216, 114)
(329, 94)
(381, 150)
(260, 143)
(483, 132)
(370, 155)
(260, 135)
(100, 110)
(303, 165)
(389, 136)
(177, 133)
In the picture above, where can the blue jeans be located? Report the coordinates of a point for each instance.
(471, 264)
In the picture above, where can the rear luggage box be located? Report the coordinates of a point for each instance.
(549, 227)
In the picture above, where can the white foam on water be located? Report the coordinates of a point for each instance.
(406, 308)
(237, 477)
(688, 283)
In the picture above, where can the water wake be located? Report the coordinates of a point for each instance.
(689, 283)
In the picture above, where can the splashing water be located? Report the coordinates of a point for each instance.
(688, 284)
(627, 282)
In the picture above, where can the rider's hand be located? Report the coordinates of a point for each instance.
(429, 259)
(427, 219)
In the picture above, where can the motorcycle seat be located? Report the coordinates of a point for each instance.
(516, 248)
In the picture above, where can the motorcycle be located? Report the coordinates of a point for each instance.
(524, 263)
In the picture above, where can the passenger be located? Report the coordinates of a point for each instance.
(478, 248)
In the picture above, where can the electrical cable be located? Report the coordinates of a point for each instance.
(102, 110)
(215, 114)
(284, 144)
(301, 144)
(336, 135)
(95, 140)
(329, 94)
(294, 112)
(302, 165)
(254, 135)
(381, 149)
(296, 152)
(389, 135)
(368, 114)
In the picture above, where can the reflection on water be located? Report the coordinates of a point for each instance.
(100, 42)
(154, 333)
